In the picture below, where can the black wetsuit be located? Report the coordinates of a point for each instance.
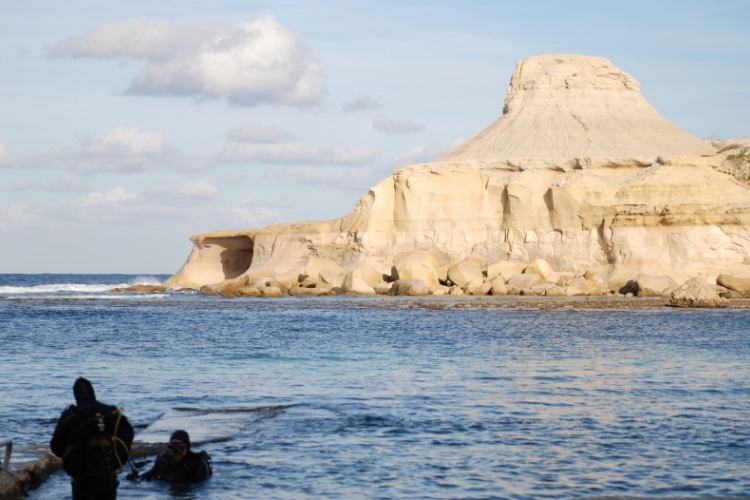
(193, 468)
(89, 454)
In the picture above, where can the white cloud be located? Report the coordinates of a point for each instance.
(395, 125)
(250, 63)
(298, 154)
(186, 190)
(138, 39)
(363, 102)
(58, 184)
(122, 150)
(248, 212)
(15, 215)
(114, 197)
(258, 133)
(127, 142)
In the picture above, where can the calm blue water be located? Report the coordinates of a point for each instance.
(385, 401)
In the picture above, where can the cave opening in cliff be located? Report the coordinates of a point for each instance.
(235, 254)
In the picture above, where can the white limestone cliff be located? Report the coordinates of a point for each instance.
(580, 170)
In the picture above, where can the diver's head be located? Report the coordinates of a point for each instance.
(84, 391)
(179, 444)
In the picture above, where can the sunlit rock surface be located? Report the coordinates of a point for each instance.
(579, 170)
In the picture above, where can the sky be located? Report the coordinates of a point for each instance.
(127, 127)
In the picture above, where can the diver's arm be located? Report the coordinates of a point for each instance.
(125, 432)
(60, 437)
(156, 470)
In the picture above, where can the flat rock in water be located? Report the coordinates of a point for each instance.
(140, 289)
(412, 286)
(270, 292)
(300, 291)
(693, 294)
(240, 291)
(209, 290)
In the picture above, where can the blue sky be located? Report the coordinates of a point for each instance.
(128, 127)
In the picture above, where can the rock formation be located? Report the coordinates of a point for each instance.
(579, 171)
(693, 294)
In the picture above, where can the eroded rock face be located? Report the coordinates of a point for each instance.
(693, 294)
(579, 171)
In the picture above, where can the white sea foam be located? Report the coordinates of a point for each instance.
(58, 288)
(146, 280)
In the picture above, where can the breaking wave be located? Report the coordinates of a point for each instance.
(59, 288)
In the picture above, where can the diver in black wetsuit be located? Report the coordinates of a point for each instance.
(93, 440)
(179, 464)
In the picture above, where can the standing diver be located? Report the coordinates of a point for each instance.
(179, 464)
(93, 440)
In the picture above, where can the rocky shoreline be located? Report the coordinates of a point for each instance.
(420, 273)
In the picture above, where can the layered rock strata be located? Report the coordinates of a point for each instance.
(579, 171)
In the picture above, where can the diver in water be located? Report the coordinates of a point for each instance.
(93, 440)
(179, 464)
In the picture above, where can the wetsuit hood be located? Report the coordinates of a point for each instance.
(84, 391)
(182, 436)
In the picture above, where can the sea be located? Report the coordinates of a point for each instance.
(379, 397)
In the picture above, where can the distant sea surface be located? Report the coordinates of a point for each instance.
(348, 397)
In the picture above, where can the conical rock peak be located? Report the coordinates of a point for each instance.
(560, 107)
